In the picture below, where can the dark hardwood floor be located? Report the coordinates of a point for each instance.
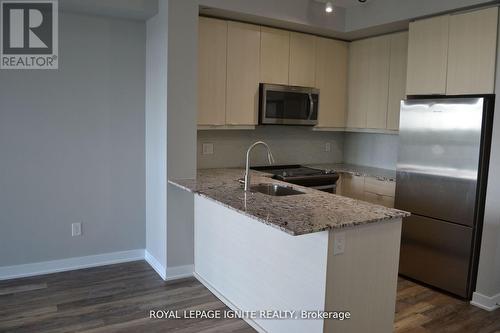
(422, 310)
(118, 298)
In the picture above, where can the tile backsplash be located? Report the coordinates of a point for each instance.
(289, 145)
(375, 150)
(296, 145)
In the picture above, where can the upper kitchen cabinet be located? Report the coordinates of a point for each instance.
(331, 80)
(453, 54)
(302, 60)
(243, 61)
(378, 78)
(368, 83)
(358, 66)
(212, 46)
(397, 78)
(427, 56)
(274, 55)
(472, 52)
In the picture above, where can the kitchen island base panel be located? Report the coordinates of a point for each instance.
(363, 280)
(258, 267)
(255, 267)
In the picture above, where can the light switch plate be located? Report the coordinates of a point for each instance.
(338, 243)
(328, 147)
(76, 229)
(207, 148)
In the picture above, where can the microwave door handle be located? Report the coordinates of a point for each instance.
(311, 106)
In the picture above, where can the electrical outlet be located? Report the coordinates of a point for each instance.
(338, 243)
(207, 148)
(76, 229)
(328, 147)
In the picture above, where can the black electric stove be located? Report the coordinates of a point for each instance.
(304, 176)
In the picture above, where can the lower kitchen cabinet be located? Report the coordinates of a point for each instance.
(367, 188)
(379, 199)
(379, 186)
(352, 186)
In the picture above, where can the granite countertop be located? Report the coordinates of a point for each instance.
(381, 174)
(311, 212)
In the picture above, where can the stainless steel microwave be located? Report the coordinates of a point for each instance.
(288, 105)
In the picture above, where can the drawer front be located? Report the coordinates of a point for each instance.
(379, 199)
(437, 253)
(352, 186)
(382, 187)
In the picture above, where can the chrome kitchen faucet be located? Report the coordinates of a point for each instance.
(270, 158)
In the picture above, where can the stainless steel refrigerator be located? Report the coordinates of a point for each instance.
(444, 145)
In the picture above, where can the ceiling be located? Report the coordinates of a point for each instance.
(346, 3)
(129, 9)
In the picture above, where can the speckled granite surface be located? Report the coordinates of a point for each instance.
(301, 214)
(383, 174)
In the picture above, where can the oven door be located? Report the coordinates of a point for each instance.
(288, 105)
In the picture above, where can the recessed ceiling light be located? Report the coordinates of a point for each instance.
(328, 7)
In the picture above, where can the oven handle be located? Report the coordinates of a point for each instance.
(311, 106)
(323, 187)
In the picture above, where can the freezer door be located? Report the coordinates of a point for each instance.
(436, 253)
(438, 160)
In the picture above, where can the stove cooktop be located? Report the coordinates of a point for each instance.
(300, 175)
(291, 170)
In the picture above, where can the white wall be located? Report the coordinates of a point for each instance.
(171, 134)
(376, 150)
(72, 146)
(488, 278)
(156, 138)
(181, 131)
(289, 144)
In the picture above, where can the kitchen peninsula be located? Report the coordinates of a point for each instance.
(311, 251)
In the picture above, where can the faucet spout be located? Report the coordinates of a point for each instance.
(270, 159)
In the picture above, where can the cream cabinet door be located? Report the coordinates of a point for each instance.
(357, 84)
(378, 186)
(212, 71)
(397, 78)
(378, 82)
(331, 80)
(302, 59)
(243, 60)
(274, 55)
(427, 56)
(353, 186)
(472, 52)
(379, 199)
(368, 83)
